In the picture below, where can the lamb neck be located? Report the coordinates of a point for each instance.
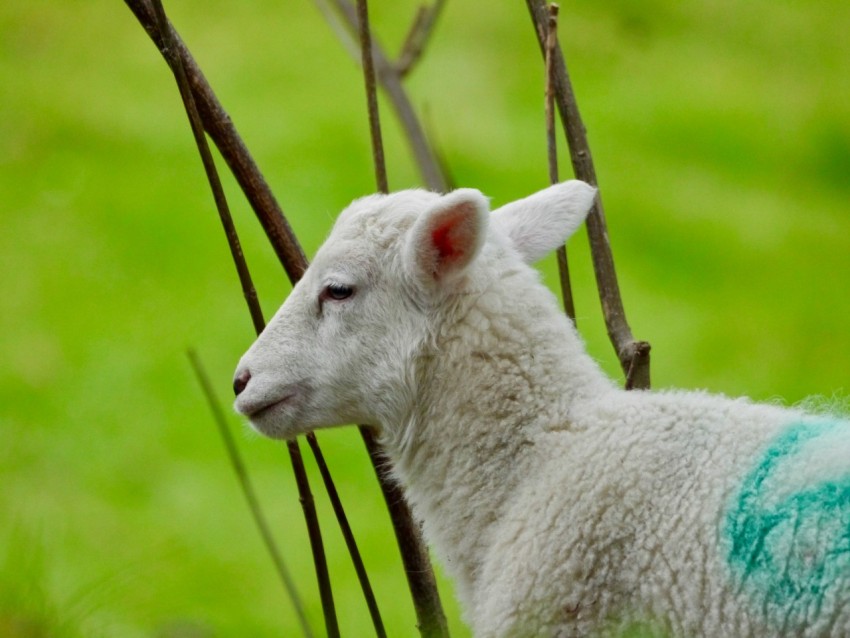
(491, 385)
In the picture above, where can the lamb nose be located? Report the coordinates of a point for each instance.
(241, 382)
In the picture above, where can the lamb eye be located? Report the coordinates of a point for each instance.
(338, 292)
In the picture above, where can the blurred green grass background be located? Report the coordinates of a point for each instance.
(721, 133)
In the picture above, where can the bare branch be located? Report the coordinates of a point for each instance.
(417, 37)
(633, 355)
(342, 31)
(417, 565)
(390, 80)
(222, 131)
(420, 574)
(305, 496)
(348, 535)
(638, 366)
(283, 240)
(172, 54)
(372, 96)
(551, 43)
(552, 152)
(248, 492)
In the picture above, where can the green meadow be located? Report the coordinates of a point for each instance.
(721, 134)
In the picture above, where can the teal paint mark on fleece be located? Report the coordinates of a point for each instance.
(792, 554)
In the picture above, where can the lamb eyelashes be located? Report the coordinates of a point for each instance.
(338, 292)
(334, 292)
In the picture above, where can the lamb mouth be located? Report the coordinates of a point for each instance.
(264, 409)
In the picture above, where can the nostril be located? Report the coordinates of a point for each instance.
(241, 382)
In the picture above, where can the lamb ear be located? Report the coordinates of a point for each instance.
(446, 238)
(541, 222)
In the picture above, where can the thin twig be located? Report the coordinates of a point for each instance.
(430, 168)
(420, 574)
(430, 618)
(633, 355)
(552, 149)
(348, 535)
(248, 491)
(343, 32)
(418, 36)
(551, 43)
(308, 505)
(372, 96)
(222, 131)
(173, 55)
(639, 360)
(280, 235)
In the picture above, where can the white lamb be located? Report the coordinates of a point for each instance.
(560, 504)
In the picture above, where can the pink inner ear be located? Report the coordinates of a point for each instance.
(449, 240)
(441, 237)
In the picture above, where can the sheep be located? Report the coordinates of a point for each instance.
(560, 504)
